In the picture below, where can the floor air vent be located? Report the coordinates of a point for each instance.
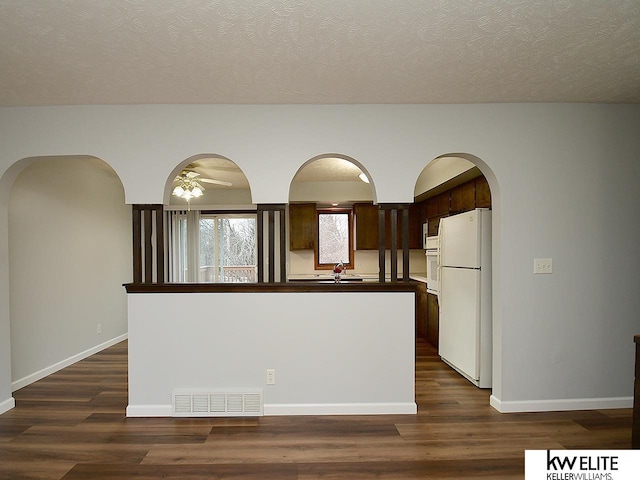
(218, 403)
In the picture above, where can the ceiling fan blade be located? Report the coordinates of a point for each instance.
(217, 182)
(191, 174)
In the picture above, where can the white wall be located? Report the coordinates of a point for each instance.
(333, 353)
(70, 253)
(563, 180)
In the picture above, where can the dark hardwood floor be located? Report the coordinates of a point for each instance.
(71, 425)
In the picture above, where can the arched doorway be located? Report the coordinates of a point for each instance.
(451, 187)
(69, 254)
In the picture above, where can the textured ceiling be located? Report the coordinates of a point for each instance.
(328, 169)
(318, 51)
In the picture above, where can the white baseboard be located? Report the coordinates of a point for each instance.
(34, 377)
(297, 409)
(409, 408)
(561, 405)
(7, 405)
(149, 411)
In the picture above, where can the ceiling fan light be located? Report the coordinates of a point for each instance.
(188, 185)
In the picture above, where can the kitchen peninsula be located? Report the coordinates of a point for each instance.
(343, 348)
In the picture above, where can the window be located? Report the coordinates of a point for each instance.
(228, 248)
(335, 242)
(213, 247)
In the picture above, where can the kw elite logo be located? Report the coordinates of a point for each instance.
(582, 464)
(581, 467)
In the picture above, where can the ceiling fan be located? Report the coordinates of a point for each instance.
(188, 184)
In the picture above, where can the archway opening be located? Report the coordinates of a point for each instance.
(448, 185)
(220, 181)
(457, 195)
(211, 223)
(69, 255)
(332, 178)
(324, 195)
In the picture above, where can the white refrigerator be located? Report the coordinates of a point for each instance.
(465, 294)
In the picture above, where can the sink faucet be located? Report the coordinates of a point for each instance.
(337, 271)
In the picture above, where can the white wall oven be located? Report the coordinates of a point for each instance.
(432, 252)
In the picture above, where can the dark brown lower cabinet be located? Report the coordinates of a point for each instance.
(433, 319)
(421, 311)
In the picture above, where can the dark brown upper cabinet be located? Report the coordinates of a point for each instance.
(463, 198)
(302, 226)
(483, 193)
(472, 194)
(366, 220)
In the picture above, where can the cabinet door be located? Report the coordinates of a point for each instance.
(366, 215)
(302, 226)
(421, 311)
(463, 198)
(416, 219)
(444, 203)
(483, 193)
(433, 319)
(432, 207)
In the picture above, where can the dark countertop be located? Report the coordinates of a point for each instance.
(312, 286)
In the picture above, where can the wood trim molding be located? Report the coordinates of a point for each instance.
(147, 224)
(275, 213)
(329, 286)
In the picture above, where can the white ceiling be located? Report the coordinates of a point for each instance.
(68, 52)
(217, 168)
(328, 169)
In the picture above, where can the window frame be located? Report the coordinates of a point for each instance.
(216, 215)
(316, 249)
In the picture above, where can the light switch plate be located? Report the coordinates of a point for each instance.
(542, 265)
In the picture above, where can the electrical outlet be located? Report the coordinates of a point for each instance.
(271, 376)
(542, 265)
(99, 329)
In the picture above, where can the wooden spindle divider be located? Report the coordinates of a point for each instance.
(148, 243)
(392, 211)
